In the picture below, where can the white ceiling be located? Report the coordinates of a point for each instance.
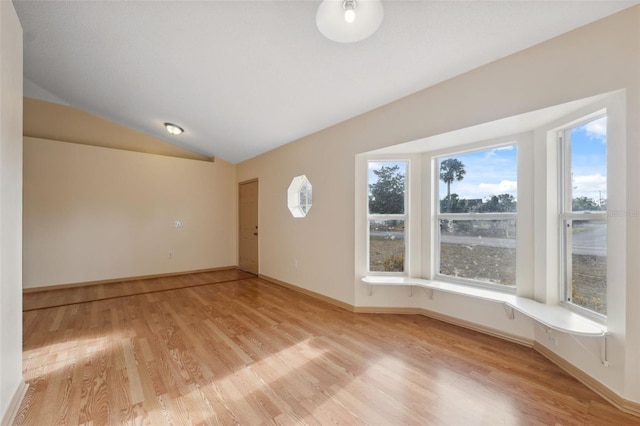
(244, 77)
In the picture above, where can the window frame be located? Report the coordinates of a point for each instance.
(300, 196)
(438, 216)
(404, 217)
(566, 215)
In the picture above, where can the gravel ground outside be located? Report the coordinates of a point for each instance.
(497, 265)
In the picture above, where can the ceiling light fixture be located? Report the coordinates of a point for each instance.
(174, 129)
(348, 21)
(349, 10)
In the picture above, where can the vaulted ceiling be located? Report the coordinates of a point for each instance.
(244, 77)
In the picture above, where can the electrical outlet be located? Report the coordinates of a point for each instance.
(170, 254)
(295, 263)
(551, 338)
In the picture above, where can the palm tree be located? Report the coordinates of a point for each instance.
(451, 170)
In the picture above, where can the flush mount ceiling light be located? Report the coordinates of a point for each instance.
(348, 21)
(174, 129)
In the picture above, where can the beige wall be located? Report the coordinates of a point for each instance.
(47, 120)
(94, 213)
(599, 58)
(10, 208)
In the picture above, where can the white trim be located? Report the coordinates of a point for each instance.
(12, 409)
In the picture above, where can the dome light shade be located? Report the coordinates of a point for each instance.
(349, 21)
(174, 129)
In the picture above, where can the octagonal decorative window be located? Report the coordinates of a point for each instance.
(299, 196)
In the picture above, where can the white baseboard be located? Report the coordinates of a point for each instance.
(616, 400)
(14, 405)
(313, 294)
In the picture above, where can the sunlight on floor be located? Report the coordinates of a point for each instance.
(250, 390)
(54, 357)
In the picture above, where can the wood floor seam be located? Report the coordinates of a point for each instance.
(126, 295)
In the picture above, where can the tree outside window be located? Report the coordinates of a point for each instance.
(387, 216)
(477, 217)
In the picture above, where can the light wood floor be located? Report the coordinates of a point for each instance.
(250, 352)
(72, 295)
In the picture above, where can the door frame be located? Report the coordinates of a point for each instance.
(248, 181)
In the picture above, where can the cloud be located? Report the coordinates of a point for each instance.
(595, 182)
(590, 186)
(493, 152)
(504, 187)
(597, 129)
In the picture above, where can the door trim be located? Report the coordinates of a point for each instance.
(245, 182)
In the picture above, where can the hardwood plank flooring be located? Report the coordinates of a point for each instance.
(90, 293)
(246, 351)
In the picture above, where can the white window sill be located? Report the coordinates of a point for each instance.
(551, 316)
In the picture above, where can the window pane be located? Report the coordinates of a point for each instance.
(589, 166)
(305, 196)
(479, 182)
(386, 245)
(585, 190)
(387, 187)
(587, 241)
(481, 250)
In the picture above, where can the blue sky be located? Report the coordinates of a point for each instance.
(489, 172)
(589, 159)
(494, 171)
